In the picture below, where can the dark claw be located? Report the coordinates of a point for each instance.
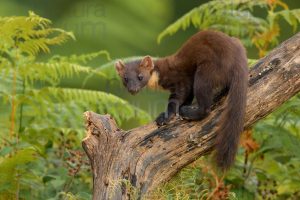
(161, 119)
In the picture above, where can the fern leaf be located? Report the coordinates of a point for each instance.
(53, 72)
(291, 16)
(84, 58)
(101, 101)
(8, 166)
(225, 12)
(30, 34)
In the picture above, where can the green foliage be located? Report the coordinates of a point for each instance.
(15, 163)
(197, 181)
(280, 139)
(30, 35)
(42, 121)
(228, 16)
(236, 18)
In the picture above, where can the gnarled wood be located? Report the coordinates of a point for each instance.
(148, 155)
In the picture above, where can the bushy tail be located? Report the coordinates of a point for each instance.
(232, 119)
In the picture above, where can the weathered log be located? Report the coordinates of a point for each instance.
(147, 156)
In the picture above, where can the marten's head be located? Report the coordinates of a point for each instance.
(136, 74)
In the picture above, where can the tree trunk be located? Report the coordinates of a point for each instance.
(147, 156)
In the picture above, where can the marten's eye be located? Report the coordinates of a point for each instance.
(140, 77)
(126, 79)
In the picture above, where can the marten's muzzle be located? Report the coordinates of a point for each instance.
(133, 91)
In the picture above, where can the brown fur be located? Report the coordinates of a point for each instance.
(209, 60)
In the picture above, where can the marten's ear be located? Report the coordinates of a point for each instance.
(119, 65)
(147, 63)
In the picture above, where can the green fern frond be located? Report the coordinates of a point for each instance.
(53, 72)
(13, 171)
(103, 102)
(39, 21)
(84, 58)
(225, 12)
(33, 47)
(61, 38)
(5, 65)
(6, 79)
(8, 166)
(31, 34)
(291, 16)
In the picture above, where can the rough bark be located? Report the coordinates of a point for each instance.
(147, 156)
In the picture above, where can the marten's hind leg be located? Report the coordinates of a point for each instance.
(203, 92)
(189, 99)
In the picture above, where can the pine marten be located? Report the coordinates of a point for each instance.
(206, 61)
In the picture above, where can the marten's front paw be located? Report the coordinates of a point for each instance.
(162, 119)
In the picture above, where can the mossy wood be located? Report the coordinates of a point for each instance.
(146, 156)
